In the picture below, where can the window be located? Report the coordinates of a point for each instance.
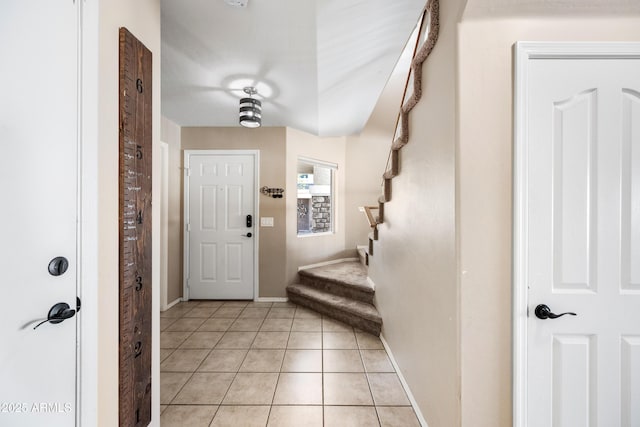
(315, 196)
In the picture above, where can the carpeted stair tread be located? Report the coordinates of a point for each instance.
(348, 273)
(337, 302)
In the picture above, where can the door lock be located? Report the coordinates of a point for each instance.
(58, 266)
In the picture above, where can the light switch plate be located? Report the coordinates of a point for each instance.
(266, 221)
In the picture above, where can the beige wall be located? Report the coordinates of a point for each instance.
(271, 143)
(414, 265)
(366, 156)
(313, 249)
(142, 18)
(484, 193)
(171, 134)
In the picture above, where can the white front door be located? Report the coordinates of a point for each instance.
(220, 225)
(578, 239)
(39, 190)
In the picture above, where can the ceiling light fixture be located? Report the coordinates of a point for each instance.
(250, 109)
(237, 3)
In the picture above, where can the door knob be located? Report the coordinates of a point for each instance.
(247, 235)
(544, 312)
(58, 313)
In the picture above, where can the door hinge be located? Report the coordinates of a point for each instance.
(188, 227)
(187, 171)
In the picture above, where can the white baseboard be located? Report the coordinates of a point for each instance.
(322, 264)
(171, 304)
(271, 299)
(414, 404)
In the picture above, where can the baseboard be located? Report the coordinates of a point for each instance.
(271, 299)
(414, 404)
(322, 264)
(171, 304)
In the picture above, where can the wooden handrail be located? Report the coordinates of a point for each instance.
(370, 218)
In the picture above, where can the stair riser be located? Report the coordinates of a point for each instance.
(337, 289)
(348, 318)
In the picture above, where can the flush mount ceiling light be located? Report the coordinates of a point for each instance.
(250, 109)
(237, 3)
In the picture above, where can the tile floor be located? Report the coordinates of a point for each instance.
(240, 364)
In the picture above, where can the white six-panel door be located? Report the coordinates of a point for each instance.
(578, 241)
(221, 194)
(39, 197)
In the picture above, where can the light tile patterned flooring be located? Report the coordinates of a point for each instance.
(244, 364)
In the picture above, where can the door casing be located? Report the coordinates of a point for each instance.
(523, 53)
(256, 240)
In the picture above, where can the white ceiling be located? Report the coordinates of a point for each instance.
(319, 65)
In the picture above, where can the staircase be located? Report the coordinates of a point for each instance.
(340, 291)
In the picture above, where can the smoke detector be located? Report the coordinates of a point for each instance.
(237, 3)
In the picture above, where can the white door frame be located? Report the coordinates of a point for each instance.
(88, 280)
(164, 225)
(256, 215)
(523, 53)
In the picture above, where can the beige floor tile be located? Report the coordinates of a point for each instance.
(376, 361)
(281, 313)
(176, 311)
(204, 388)
(172, 339)
(304, 313)
(302, 361)
(254, 312)
(332, 325)
(369, 342)
(163, 407)
(346, 389)
(263, 361)
(202, 340)
(271, 340)
(223, 361)
(246, 324)
(260, 304)
(164, 353)
(201, 312)
(299, 389)
(397, 416)
(184, 360)
(216, 325)
(342, 361)
(348, 416)
(387, 390)
(188, 415)
(307, 324)
(235, 304)
(228, 312)
(191, 304)
(206, 303)
(252, 389)
(245, 416)
(276, 325)
(286, 304)
(339, 341)
(295, 416)
(305, 340)
(170, 385)
(165, 322)
(186, 324)
(236, 340)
